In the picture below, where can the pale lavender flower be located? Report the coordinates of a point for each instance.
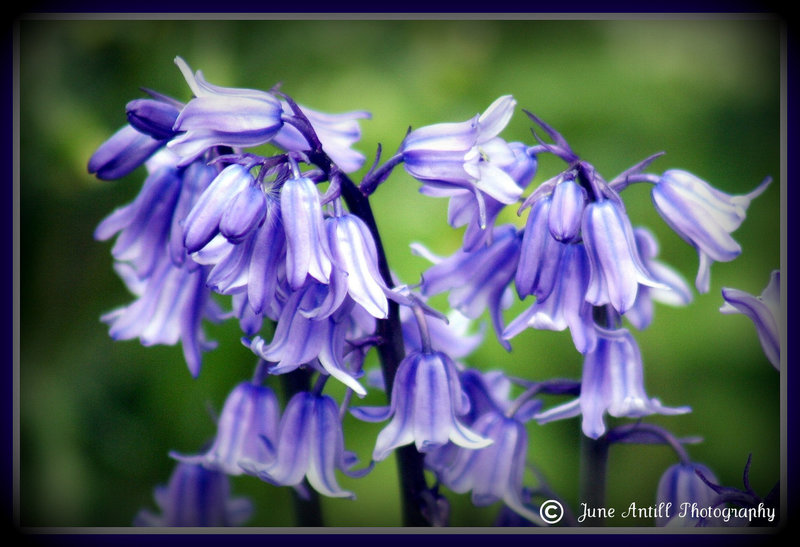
(247, 429)
(310, 444)
(223, 116)
(616, 267)
(170, 306)
(565, 305)
(353, 250)
(676, 291)
(336, 132)
(232, 202)
(307, 252)
(764, 311)
(566, 210)
(493, 473)
(540, 253)
(461, 210)
(196, 496)
(703, 216)
(426, 403)
(680, 485)
(126, 150)
(613, 383)
(477, 280)
(454, 156)
(153, 117)
(300, 338)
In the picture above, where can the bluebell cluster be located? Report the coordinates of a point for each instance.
(290, 238)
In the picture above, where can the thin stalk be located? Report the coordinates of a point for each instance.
(594, 462)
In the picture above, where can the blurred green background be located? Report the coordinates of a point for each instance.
(97, 418)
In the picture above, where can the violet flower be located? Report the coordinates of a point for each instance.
(336, 132)
(565, 304)
(247, 429)
(676, 291)
(123, 152)
(462, 155)
(307, 252)
(309, 444)
(613, 383)
(196, 496)
(426, 403)
(477, 280)
(223, 116)
(169, 308)
(681, 485)
(765, 312)
(615, 265)
(703, 216)
(540, 253)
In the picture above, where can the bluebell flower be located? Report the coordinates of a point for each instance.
(233, 196)
(477, 280)
(307, 252)
(250, 266)
(765, 312)
(301, 339)
(491, 474)
(336, 132)
(126, 150)
(153, 117)
(565, 304)
(612, 382)
(676, 291)
(480, 220)
(566, 210)
(462, 155)
(353, 250)
(540, 253)
(310, 444)
(223, 116)
(703, 216)
(680, 485)
(247, 429)
(196, 496)
(144, 226)
(170, 306)
(615, 264)
(425, 406)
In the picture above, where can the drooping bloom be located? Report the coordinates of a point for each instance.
(676, 291)
(493, 473)
(307, 252)
(612, 382)
(426, 403)
(615, 265)
(196, 496)
(540, 253)
(353, 250)
(764, 311)
(565, 304)
(477, 280)
(703, 216)
(455, 156)
(170, 307)
(566, 212)
(248, 422)
(680, 485)
(223, 116)
(336, 132)
(126, 150)
(310, 444)
(154, 117)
